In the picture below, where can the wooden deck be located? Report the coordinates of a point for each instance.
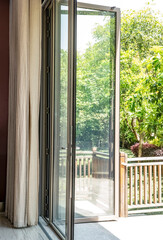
(94, 197)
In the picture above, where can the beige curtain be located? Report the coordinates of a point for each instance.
(24, 94)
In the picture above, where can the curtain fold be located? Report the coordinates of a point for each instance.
(23, 124)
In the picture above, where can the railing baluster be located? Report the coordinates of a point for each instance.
(159, 184)
(76, 168)
(123, 186)
(130, 192)
(89, 167)
(154, 183)
(140, 185)
(150, 184)
(84, 163)
(135, 194)
(62, 166)
(80, 167)
(145, 184)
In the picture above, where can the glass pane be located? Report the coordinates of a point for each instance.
(60, 117)
(95, 114)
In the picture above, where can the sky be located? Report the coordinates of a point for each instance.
(128, 4)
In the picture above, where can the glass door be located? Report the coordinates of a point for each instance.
(57, 109)
(97, 113)
(79, 114)
(62, 203)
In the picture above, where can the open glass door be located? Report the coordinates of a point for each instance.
(97, 113)
(79, 114)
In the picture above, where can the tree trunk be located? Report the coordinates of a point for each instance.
(123, 141)
(133, 123)
(140, 146)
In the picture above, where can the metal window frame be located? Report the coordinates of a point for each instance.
(43, 111)
(72, 36)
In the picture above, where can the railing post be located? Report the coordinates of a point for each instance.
(123, 186)
(89, 168)
(84, 167)
(94, 162)
(80, 168)
(76, 168)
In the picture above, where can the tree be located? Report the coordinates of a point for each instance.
(141, 81)
(154, 80)
(95, 90)
(140, 32)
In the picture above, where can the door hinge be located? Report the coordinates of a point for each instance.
(47, 151)
(46, 192)
(46, 206)
(48, 33)
(47, 110)
(48, 69)
(48, 19)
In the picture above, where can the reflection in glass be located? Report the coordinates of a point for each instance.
(60, 118)
(94, 187)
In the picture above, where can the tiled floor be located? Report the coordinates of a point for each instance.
(131, 228)
(7, 232)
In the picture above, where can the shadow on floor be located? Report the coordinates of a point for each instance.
(4, 222)
(92, 231)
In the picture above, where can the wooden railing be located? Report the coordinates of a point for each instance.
(83, 164)
(92, 164)
(140, 185)
(101, 166)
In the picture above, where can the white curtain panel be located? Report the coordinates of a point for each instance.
(23, 123)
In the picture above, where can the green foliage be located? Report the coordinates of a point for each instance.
(140, 30)
(141, 76)
(94, 89)
(157, 141)
(141, 82)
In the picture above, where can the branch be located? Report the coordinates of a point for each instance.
(133, 129)
(129, 125)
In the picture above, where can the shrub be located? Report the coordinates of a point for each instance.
(148, 150)
(157, 141)
(159, 152)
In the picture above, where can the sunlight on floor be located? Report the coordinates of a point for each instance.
(136, 228)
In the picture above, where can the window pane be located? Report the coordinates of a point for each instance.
(95, 113)
(60, 118)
